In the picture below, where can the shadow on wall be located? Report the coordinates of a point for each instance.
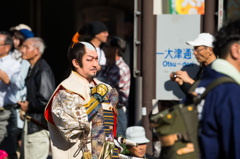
(169, 85)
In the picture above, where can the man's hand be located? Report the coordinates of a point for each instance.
(180, 77)
(23, 105)
(174, 78)
(184, 76)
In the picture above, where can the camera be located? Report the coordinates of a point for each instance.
(174, 75)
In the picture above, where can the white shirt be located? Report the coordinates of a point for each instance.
(8, 92)
(22, 89)
(20, 80)
(101, 56)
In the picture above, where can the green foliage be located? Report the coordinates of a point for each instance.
(125, 150)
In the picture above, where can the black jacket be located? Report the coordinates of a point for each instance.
(186, 86)
(40, 85)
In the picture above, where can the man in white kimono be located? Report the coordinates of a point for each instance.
(81, 113)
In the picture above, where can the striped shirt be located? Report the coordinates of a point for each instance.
(118, 76)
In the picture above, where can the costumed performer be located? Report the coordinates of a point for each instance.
(81, 113)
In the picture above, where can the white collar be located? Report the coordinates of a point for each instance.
(224, 67)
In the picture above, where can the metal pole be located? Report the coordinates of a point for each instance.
(138, 101)
(148, 65)
(137, 62)
(136, 42)
(209, 22)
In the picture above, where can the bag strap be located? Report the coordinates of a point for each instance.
(215, 83)
(194, 86)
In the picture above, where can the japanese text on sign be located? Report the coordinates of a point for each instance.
(177, 53)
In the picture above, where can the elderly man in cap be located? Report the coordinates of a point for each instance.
(203, 51)
(136, 134)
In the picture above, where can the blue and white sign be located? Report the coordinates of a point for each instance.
(173, 53)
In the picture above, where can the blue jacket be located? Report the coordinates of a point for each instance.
(219, 126)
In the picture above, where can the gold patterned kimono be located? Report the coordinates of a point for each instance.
(68, 120)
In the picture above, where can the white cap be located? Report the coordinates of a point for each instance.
(136, 134)
(20, 27)
(203, 39)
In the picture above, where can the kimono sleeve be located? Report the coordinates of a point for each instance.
(69, 115)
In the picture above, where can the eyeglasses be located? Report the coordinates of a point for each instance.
(198, 50)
